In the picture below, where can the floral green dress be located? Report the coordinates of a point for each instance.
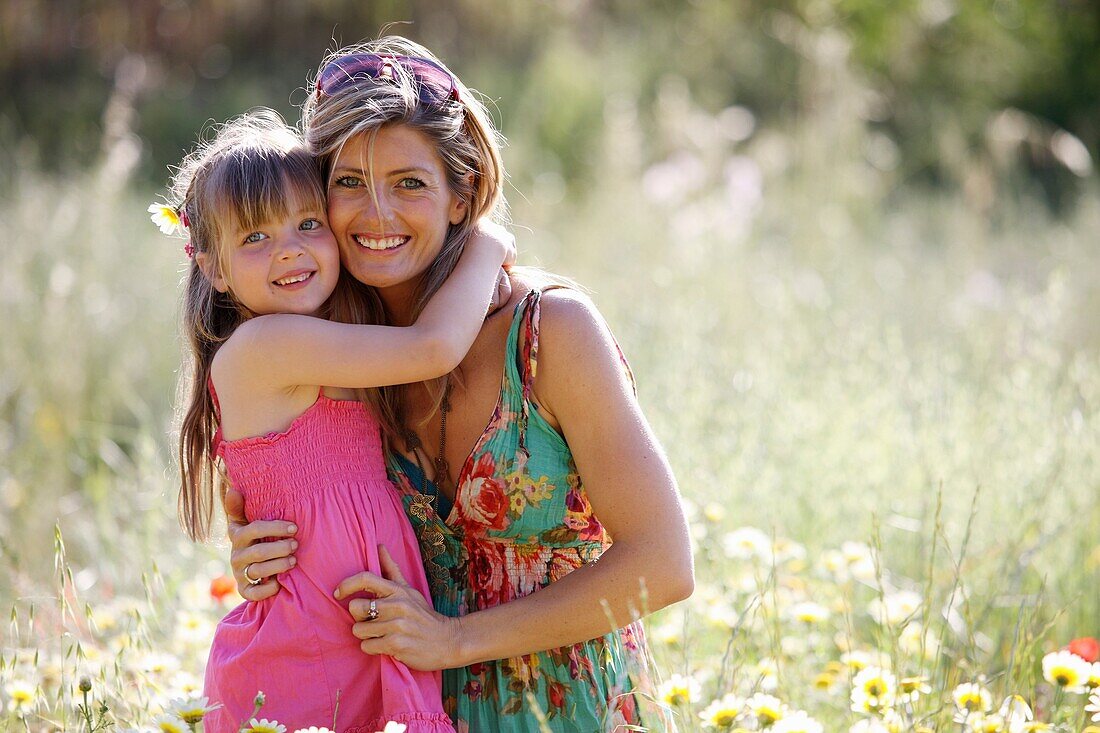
(522, 520)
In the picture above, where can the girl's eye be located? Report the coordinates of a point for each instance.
(254, 237)
(411, 184)
(309, 225)
(349, 182)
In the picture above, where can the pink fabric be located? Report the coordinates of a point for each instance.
(326, 474)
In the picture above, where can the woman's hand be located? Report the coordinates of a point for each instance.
(405, 627)
(262, 560)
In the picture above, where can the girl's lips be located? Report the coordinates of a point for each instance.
(298, 280)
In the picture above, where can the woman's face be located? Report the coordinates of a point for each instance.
(391, 238)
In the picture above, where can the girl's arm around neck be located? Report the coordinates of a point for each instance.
(281, 351)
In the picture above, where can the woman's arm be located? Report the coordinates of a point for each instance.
(633, 493)
(286, 350)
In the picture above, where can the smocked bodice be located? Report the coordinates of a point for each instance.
(332, 442)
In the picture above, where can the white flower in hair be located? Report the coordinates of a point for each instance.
(165, 217)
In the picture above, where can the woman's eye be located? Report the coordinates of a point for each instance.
(254, 237)
(411, 184)
(349, 182)
(309, 225)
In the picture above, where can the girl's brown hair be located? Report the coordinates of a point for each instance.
(458, 125)
(253, 170)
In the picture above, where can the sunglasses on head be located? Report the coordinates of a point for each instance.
(436, 83)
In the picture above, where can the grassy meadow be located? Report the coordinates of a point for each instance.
(881, 401)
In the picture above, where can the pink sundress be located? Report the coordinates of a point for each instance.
(326, 474)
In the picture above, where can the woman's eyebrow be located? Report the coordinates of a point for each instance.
(396, 172)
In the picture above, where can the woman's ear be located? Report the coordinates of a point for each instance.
(211, 271)
(459, 208)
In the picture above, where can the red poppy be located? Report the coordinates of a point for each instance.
(222, 586)
(1087, 647)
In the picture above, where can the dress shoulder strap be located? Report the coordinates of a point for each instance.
(217, 442)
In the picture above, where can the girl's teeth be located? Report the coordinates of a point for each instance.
(295, 279)
(380, 244)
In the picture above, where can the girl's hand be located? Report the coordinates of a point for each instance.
(262, 560)
(406, 627)
(490, 234)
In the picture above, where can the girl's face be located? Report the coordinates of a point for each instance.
(287, 265)
(389, 239)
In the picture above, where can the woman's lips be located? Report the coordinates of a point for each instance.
(379, 244)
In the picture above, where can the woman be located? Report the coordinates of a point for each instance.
(565, 473)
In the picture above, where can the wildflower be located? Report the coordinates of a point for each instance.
(797, 722)
(911, 688)
(263, 725)
(165, 217)
(873, 690)
(895, 608)
(970, 697)
(747, 543)
(714, 512)
(808, 612)
(222, 586)
(858, 659)
(168, 723)
(1016, 713)
(1066, 670)
(1093, 681)
(1087, 647)
(980, 722)
(1093, 706)
(678, 690)
(767, 709)
(192, 710)
(722, 713)
(21, 694)
(766, 673)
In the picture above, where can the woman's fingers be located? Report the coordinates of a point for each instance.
(366, 582)
(390, 569)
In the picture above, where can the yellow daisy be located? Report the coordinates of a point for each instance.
(264, 725)
(170, 724)
(722, 713)
(873, 690)
(21, 694)
(1066, 670)
(678, 690)
(766, 708)
(970, 697)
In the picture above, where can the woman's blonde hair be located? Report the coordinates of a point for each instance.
(253, 170)
(458, 125)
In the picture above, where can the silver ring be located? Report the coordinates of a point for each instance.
(372, 611)
(249, 578)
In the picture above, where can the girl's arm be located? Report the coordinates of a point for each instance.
(630, 485)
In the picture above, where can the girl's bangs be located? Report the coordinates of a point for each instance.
(260, 186)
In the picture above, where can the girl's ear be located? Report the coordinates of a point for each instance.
(209, 268)
(459, 209)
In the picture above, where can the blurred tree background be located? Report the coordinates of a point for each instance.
(958, 92)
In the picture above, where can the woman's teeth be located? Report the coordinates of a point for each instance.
(294, 279)
(380, 244)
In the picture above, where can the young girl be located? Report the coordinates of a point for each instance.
(272, 398)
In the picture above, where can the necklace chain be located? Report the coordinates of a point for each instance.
(412, 442)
